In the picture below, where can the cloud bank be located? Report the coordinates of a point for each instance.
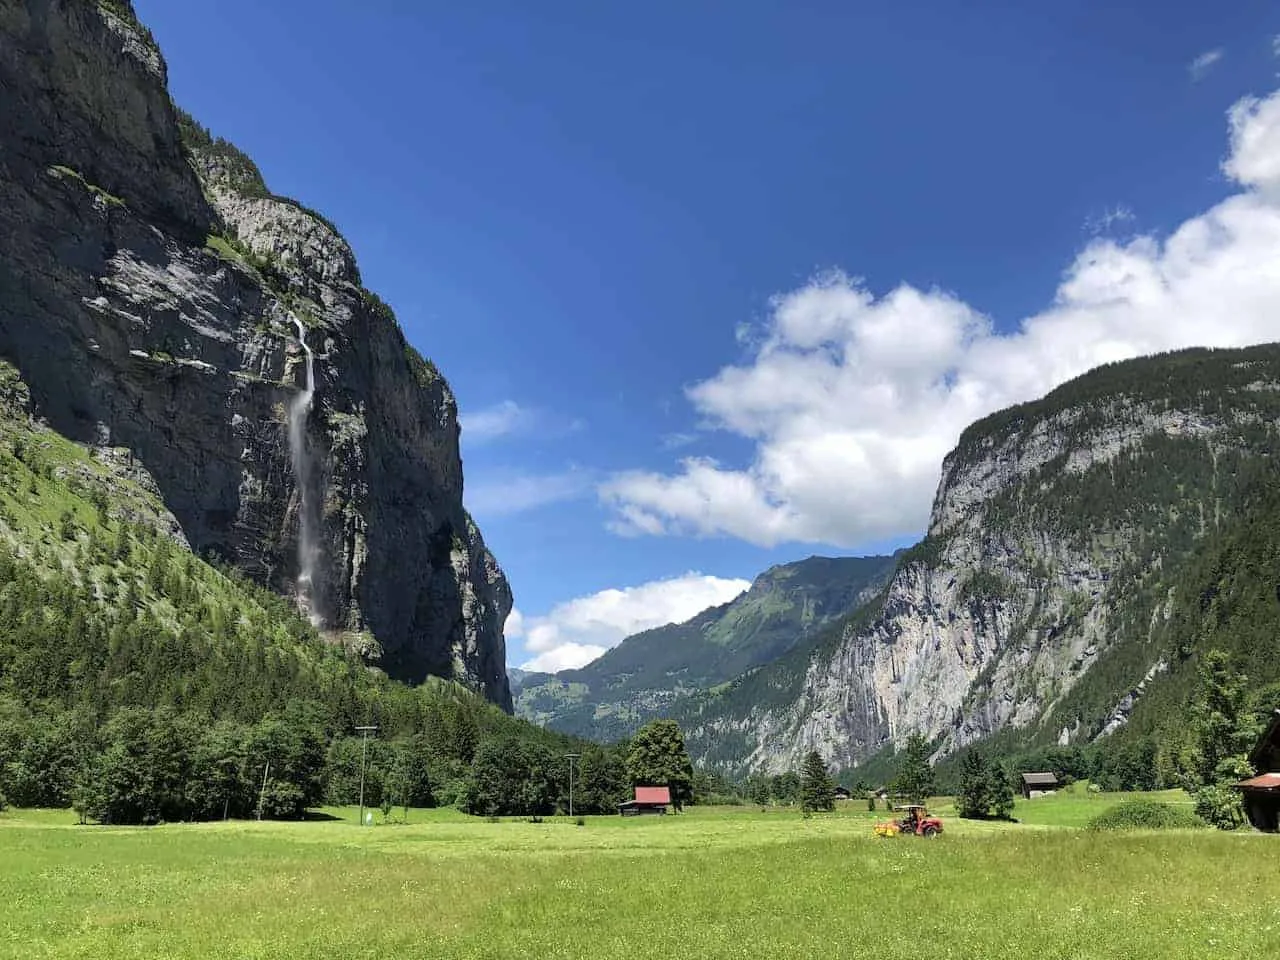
(852, 399)
(577, 631)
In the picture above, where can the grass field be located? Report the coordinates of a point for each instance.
(710, 883)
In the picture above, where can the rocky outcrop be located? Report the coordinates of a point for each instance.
(149, 294)
(1032, 602)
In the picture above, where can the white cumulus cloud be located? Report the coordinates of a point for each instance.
(852, 398)
(1201, 65)
(578, 631)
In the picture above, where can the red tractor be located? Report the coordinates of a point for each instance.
(915, 819)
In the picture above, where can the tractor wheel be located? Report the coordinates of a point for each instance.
(931, 831)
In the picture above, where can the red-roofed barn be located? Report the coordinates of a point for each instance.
(1261, 794)
(646, 800)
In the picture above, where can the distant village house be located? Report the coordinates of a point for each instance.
(648, 800)
(1260, 795)
(1038, 784)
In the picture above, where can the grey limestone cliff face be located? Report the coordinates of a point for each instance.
(149, 302)
(1019, 590)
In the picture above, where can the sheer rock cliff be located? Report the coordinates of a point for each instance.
(149, 287)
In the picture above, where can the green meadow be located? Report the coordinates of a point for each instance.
(729, 882)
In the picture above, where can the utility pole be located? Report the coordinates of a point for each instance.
(364, 747)
(263, 792)
(571, 757)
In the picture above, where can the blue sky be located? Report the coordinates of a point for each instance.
(770, 237)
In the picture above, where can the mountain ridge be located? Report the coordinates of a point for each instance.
(1058, 529)
(649, 671)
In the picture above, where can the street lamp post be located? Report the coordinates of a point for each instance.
(364, 747)
(571, 757)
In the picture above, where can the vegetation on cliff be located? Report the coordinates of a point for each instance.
(1127, 529)
(144, 683)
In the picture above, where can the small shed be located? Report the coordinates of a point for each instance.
(647, 800)
(842, 793)
(1260, 795)
(1038, 784)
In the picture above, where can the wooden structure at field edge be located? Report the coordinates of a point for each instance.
(1261, 794)
(1038, 784)
(647, 800)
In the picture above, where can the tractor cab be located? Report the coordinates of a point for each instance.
(916, 819)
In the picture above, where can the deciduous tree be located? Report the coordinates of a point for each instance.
(658, 758)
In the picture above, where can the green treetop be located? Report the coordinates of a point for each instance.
(658, 758)
(818, 790)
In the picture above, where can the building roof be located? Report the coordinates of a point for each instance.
(1040, 779)
(1266, 781)
(653, 795)
(1268, 742)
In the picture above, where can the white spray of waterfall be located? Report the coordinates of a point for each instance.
(299, 410)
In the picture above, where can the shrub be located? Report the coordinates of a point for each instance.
(1145, 815)
(579, 821)
(1219, 805)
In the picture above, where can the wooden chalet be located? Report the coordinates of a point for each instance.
(1260, 795)
(842, 793)
(648, 800)
(1038, 784)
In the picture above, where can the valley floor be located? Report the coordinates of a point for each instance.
(709, 883)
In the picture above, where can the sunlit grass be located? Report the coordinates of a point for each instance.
(709, 883)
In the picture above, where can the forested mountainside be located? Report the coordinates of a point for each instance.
(648, 672)
(168, 313)
(1083, 550)
(141, 682)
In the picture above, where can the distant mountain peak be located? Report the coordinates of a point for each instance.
(649, 671)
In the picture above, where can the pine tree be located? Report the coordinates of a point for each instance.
(1000, 791)
(915, 775)
(973, 802)
(817, 789)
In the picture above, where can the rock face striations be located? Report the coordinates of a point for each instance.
(1037, 604)
(152, 296)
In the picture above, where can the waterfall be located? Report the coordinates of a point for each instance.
(299, 410)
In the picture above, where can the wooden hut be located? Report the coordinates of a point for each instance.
(648, 800)
(1260, 795)
(1038, 784)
